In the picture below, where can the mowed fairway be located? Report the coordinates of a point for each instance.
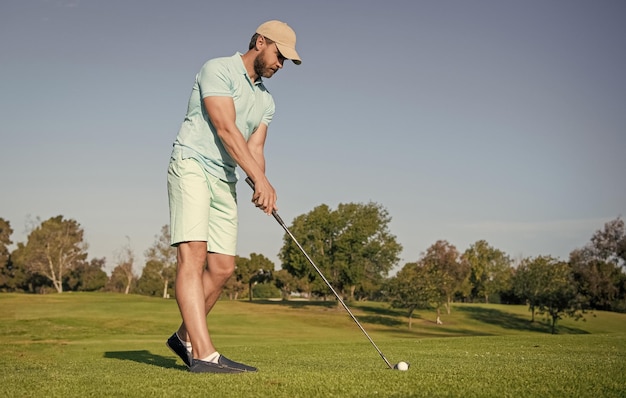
(109, 345)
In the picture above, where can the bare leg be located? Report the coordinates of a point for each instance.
(190, 294)
(219, 270)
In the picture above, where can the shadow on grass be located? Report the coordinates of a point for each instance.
(506, 320)
(330, 304)
(387, 311)
(380, 320)
(393, 318)
(382, 316)
(144, 356)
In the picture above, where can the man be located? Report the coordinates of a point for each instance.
(228, 115)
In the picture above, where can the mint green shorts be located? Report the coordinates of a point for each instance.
(202, 207)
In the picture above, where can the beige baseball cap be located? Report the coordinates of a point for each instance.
(284, 37)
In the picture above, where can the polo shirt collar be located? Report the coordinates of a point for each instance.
(243, 71)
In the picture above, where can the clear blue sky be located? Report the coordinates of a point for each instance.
(466, 120)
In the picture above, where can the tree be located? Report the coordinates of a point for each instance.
(15, 277)
(5, 240)
(449, 274)
(490, 270)
(528, 281)
(548, 286)
(609, 243)
(413, 288)
(366, 250)
(371, 290)
(150, 283)
(559, 297)
(88, 276)
(233, 288)
(598, 268)
(163, 258)
(6, 266)
(54, 248)
(597, 280)
(123, 278)
(264, 268)
(256, 269)
(285, 282)
(351, 246)
(266, 290)
(7, 278)
(312, 231)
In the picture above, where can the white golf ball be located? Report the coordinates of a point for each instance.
(402, 366)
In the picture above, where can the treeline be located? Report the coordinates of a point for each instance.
(355, 250)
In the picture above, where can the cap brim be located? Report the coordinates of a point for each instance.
(289, 53)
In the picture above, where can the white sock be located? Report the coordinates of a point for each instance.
(212, 358)
(186, 343)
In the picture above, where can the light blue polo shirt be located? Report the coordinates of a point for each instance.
(197, 137)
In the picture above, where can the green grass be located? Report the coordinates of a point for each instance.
(107, 345)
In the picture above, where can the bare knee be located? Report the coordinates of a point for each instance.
(221, 267)
(191, 258)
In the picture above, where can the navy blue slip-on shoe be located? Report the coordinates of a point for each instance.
(178, 348)
(200, 366)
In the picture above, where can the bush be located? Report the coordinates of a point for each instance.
(265, 291)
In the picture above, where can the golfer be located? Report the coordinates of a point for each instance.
(226, 124)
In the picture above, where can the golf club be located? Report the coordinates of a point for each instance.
(404, 365)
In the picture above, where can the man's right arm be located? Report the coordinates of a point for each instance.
(221, 110)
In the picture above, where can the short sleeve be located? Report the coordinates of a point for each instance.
(270, 108)
(213, 80)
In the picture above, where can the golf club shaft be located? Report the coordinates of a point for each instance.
(282, 224)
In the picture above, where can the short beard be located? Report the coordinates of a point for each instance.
(260, 67)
